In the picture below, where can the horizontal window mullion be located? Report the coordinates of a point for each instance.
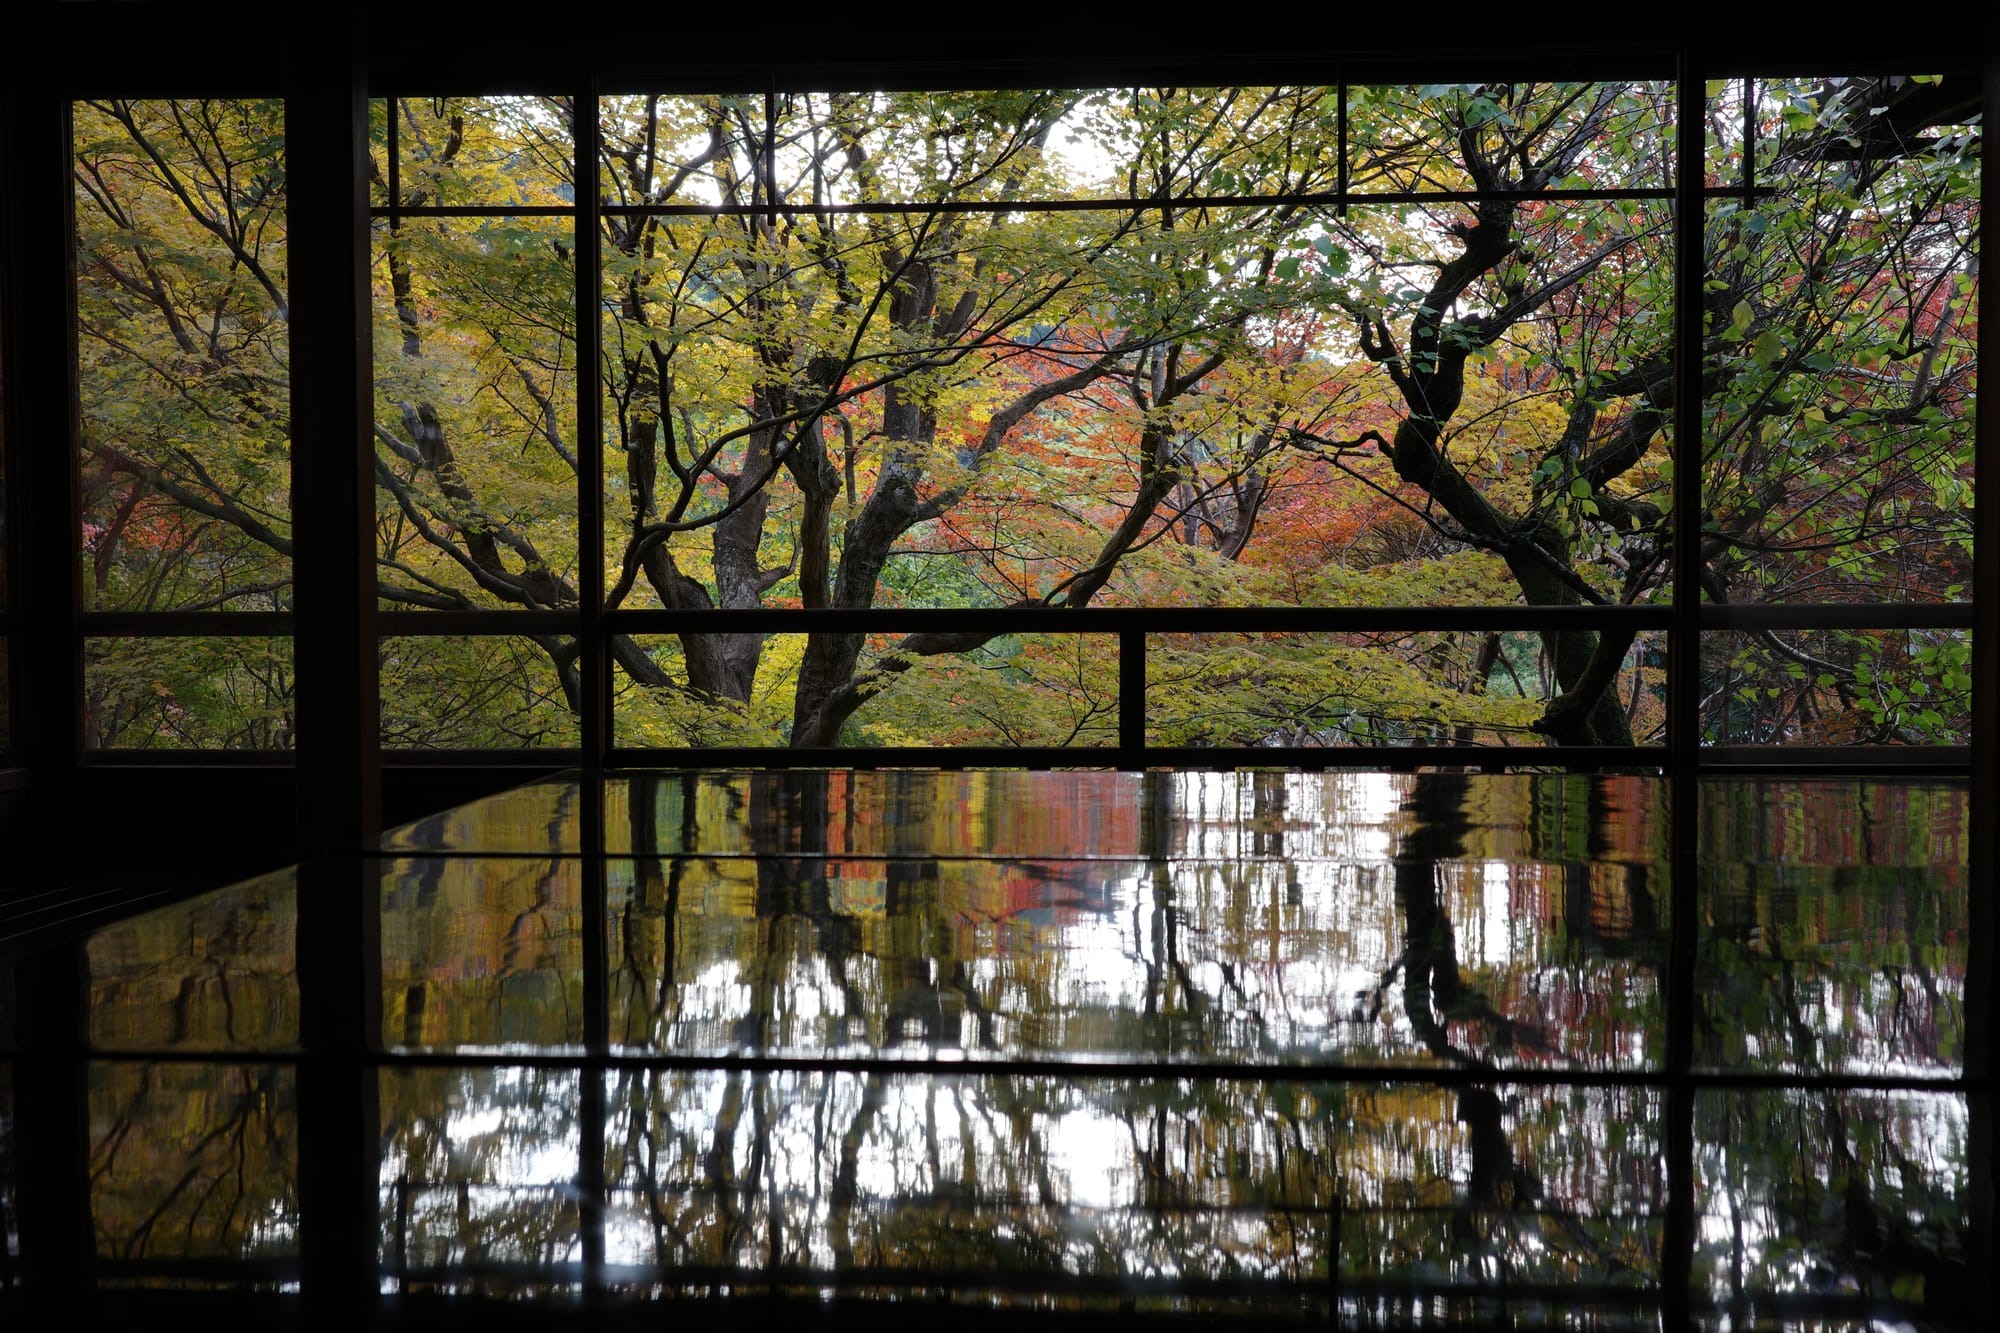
(204, 624)
(980, 206)
(1316, 199)
(1069, 1067)
(1153, 620)
(1353, 197)
(1837, 615)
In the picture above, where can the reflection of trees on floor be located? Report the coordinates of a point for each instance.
(757, 1125)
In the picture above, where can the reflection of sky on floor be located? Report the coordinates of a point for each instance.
(885, 951)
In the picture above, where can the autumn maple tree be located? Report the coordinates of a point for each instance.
(1039, 348)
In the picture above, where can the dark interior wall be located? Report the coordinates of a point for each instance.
(153, 826)
(173, 46)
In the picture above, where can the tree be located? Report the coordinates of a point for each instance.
(929, 342)
(183, 363)
(1864, 237)
(1837, 441)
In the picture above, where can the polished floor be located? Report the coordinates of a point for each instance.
(1366, 1049)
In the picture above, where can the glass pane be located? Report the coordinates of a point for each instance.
(475, 151)
(447, 693)
(475, 414)
(917, 147)
(1511, 136)
(855, 147)
(1854, 970)
(183, 359)
(1837, 428)
(1837, 687)
(1817, 122)
(762, 398)
(1015, 689)
(680, 150)
(1419, 688)
(867, 690)
(1722, 133)
(1536, 405)
(732, 689)
(159, 693)
(1034, 144)
(193, 1161)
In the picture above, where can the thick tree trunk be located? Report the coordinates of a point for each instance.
(1586, 711)
(825, 700)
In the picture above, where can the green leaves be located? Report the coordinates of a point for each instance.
(1224, 369)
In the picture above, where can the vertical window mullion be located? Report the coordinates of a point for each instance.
(593, 647)
(594, 650)
(1684, 690)
(335, 653)
(1132, 698)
